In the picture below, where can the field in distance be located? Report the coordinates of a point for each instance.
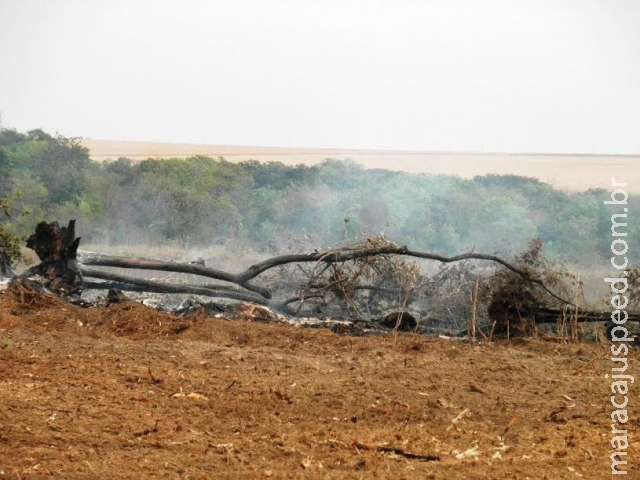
(570, 172)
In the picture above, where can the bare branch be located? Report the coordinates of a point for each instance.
(98, 259)
(328, 257)
(125, 283)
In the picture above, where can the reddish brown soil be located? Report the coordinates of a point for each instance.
(128, 392)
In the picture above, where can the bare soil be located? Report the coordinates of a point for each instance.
(571, 172)
(129, 392)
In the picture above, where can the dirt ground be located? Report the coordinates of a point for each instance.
(129, 392)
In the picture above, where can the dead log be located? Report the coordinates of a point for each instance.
(515, 322)
(552, 315)
(131, 284)
(98, 259)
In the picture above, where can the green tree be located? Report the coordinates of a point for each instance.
(5, 172)
(61, 166)
(38, 135)
(9, 242)
(10, 137)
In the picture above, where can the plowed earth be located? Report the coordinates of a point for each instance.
(129, 392)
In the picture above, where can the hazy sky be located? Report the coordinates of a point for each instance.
(492, 75)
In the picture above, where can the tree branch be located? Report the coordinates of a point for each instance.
(98, 259)
(332, 256)
(125, 283)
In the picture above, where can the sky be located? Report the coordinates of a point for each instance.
(547, 76)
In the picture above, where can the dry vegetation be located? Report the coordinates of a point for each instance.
(129, 392)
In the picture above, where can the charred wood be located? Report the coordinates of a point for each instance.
(126, 283)
(334, 256)
(57, 249)
(5, 265)
(97, 259)
(549, 315)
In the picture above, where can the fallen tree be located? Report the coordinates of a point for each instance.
(331, 256)
(365, 280)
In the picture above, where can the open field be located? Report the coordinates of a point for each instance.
(129, 392)
(571, 172)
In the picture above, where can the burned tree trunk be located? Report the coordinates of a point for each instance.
(56, 248)
(5, 264)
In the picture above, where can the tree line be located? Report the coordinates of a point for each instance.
(200, 201)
